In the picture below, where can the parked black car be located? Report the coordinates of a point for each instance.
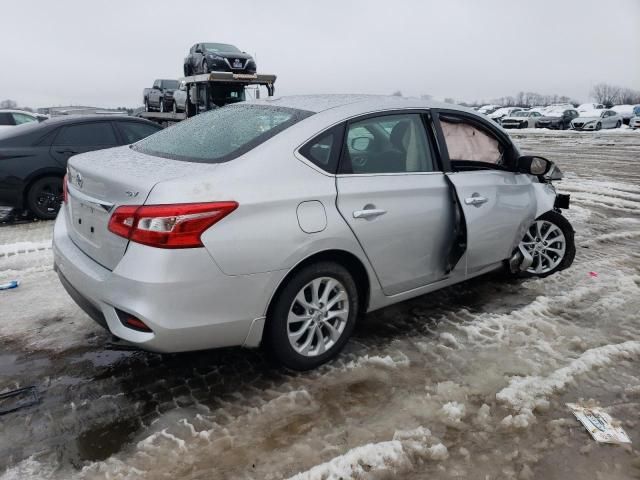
(557, 119)
(33, 156)
(160, 96)
(217, 57)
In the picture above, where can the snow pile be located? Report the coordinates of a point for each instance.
(23, 247)
(374, 460)
(525, 393)
(452, 414)
(386, 362)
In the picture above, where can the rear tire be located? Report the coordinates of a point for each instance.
(544, 241)
(306, 329)
(44, 197)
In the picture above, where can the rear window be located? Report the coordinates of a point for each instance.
(222, 134)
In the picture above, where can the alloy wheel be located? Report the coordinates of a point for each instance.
(546, 244)
(318, 316)
(49, 198)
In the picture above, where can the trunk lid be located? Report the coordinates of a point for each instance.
(100, 182)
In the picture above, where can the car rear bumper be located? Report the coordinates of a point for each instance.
(181, 295)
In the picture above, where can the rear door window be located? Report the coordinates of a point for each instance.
(87, 134)
(387, 144)
(134, 131)
(6, 118)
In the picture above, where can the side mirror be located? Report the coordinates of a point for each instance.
(156, 87)
(198, 50)
(533, 165)
(360, 144)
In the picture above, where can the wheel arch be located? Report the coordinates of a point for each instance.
(348, 260)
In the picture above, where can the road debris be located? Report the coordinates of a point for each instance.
(16, 399)
(599, 423)
(10, 285)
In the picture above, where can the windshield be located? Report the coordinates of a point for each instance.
(220, 47)
(520, 114)
(174, 84)
(220, 135)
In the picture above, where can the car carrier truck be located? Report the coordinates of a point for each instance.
(213, 90)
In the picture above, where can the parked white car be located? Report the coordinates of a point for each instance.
(588, 107)
(596, 120)
(625, 111)
(503, 112)
(11, 118)
(634, 122)
(521, 119)
(487, 109)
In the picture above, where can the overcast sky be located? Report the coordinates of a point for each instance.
(103, 53)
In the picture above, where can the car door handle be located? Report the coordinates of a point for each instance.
(369, 213)
(66, 151)
(475, 200)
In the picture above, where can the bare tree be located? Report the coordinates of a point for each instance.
(8, 104)
(605, 93)
(628, 96)
(397, 93)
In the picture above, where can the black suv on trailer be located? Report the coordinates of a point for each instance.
(217, 57)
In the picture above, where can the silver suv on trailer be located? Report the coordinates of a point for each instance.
(282, 221)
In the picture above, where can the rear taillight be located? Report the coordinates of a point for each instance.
(65, 191)
(168, 226)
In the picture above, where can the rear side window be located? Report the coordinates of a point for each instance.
(220, 135)
(134, 131)
(468, 143)
(87, 134)
(324, 150)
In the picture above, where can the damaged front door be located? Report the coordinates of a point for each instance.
(498, 204)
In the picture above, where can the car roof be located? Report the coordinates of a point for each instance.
(363, 103)
(61, 119)
(26, 112)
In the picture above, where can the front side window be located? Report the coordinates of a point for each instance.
(87, 135)
(468, 143)
(221, 135)
(387, 144)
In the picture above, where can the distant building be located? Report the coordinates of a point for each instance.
(79, 110)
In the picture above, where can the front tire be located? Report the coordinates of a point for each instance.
(550, 241)
(618, 124)
(598, 126)
(44, 197)
(313, 316)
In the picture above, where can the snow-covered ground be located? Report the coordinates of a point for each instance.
(469, 382)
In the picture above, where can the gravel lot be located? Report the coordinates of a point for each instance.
(469, 382)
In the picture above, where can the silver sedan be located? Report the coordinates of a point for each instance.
(283, 221)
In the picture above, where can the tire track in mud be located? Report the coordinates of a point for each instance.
(418, 375)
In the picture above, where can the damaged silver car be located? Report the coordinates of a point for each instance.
(283, 221)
